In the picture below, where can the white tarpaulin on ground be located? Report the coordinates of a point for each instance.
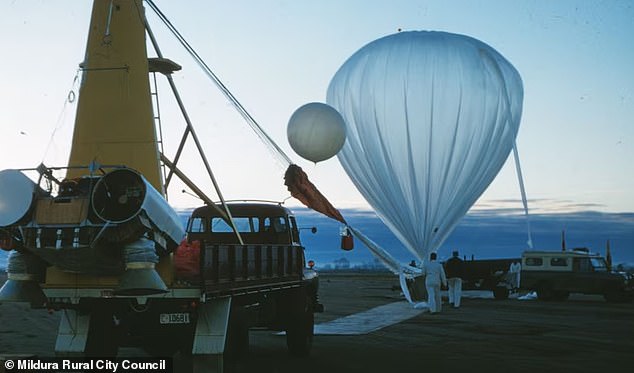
(368, 321)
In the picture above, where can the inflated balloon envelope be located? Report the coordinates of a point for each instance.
(431, 118)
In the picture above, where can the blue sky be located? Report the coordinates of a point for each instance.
(576, 140)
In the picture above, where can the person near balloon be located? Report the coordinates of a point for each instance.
(434, 277)
(455, 272)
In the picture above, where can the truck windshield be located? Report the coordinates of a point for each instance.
(249, 224)
(275, 224)
(598, 264)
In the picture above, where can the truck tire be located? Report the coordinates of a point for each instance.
(237, 344)
(102, 338)
(159, 346)
(300, 330)
(500, 293)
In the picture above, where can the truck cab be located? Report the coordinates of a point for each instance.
(266, 274)
(556, 274)
(257, 223)
(271, 244)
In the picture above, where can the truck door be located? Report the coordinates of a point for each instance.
(294, 231)
(584, 282)
(564, 279)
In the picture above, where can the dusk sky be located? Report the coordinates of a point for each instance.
(576, 138)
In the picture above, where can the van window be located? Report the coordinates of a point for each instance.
(581, 265)
(599, 265)
(534, 262)
(558, 262)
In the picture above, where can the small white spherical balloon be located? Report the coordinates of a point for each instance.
(316, 131)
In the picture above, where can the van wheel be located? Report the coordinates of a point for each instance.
(617, 296)
(560, 295)
(500, 293)
(545, 292)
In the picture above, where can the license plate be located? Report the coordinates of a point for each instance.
(174, 318)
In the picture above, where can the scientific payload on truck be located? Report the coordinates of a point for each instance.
(102, 245)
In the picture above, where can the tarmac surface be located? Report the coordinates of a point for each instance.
(582, 334)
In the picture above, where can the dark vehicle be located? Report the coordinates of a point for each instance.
(103, 246)
(553, 275)
(556, 274)
(218, 289)
(491, 274)
(266, 276)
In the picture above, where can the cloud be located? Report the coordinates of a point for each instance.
(535, 206)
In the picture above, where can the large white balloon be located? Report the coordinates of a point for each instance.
(316, 131)
(431, 118)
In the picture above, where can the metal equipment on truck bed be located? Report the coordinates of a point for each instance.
(98, 241)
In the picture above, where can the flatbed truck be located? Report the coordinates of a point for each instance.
(101, 245)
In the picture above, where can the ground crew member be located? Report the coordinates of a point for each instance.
(455, 273)
(434, 277)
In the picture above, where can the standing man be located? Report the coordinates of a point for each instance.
(434, 277)
(455, 273)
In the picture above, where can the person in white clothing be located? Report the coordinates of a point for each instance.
(434, 277)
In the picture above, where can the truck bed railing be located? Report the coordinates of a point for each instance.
(229, 268)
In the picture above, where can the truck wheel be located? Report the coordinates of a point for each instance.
(102, 338)
(237, 344)
(300, 330)
(159, 346)
(500, 293)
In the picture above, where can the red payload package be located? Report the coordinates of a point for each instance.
(187, 261)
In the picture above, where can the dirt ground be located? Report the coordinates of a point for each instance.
(582, 334)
